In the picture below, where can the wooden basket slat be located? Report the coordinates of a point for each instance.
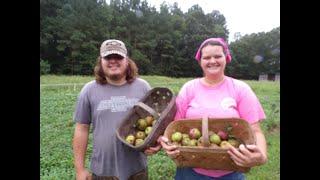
(208, 157)
(161, 100)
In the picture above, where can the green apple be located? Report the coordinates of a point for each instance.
(214, 138)
(140, 135)
(185, 141)
(176, 137)
(193, 142)
(148, 130)
(142, 124)
(184, 135)
(139, 142)
(130, 139)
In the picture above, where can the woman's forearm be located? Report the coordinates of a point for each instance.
(261, 141)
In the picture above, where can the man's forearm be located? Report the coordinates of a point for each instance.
(80, 142)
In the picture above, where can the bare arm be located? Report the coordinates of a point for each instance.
(251, 155)
(261, 140)
(80, 142)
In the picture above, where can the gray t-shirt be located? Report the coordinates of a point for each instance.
(105, 106)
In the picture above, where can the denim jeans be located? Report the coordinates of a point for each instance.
(190, 174)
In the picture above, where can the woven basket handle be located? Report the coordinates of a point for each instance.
(205, 131)
(148, 109)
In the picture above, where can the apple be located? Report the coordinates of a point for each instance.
(149, 120)
(148, 130)
(185, 141)
(142, 124)
(200, 142)
(140, 135)
(139, 142)
(176, 137)
(184, 135)
(234, 142)
(223, 135)
(130, 139)
(225, 144)
(194, 133)
(193, 142)
(214, 138)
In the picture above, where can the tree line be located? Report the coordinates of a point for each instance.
(161, 42)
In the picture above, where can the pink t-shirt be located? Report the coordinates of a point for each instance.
(230, 98)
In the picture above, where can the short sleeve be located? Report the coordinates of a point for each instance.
(182, 101)
(249, 106)
(82, 112)
(147, 86)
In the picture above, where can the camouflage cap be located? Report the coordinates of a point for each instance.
(113, 46)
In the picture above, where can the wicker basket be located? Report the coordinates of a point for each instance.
(209, 157)
(158, 102)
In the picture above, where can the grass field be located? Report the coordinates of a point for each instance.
(57, 104)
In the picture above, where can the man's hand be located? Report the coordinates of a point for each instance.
(84, 175)
(152, 150)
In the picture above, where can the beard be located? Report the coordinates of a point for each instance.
(115, 77)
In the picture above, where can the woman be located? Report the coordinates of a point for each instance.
(219, 96)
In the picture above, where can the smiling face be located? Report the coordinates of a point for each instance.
(114, 67)
(213, 61)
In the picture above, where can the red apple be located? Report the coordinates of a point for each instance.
(223, 135)
(194, 133)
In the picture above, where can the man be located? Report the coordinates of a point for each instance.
(104, 102)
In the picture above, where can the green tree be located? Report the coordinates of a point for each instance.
(161, 42)
(254, 54)
(44, 67)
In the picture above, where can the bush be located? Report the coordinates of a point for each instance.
(44, 67)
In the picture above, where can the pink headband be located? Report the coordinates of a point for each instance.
(219, 40)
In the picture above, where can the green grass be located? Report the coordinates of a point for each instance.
(56, 128)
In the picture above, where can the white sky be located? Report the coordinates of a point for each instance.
(244, 16)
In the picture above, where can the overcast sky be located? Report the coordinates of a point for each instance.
(244, 16)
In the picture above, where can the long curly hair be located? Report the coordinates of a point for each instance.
(131, 72)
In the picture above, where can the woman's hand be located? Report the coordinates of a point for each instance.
(171, 150)
(247, 156)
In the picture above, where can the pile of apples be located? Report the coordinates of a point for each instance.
(221, 139)
(142, 128)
